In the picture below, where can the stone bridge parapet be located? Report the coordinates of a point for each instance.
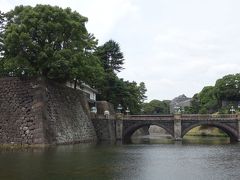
(176, 125)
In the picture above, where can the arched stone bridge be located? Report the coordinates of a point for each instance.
(122, 127)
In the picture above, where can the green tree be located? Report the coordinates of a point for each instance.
(228, 87)
(135, 96)
(156, 107)
(194, 106)
(51, 42)
(142, 91)
(204, 102)
(126, 93)
(110, 56)
(111, 59)
(208, 100)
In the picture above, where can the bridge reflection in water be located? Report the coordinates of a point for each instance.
(198, 135)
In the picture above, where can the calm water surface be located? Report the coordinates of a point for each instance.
(209, 158)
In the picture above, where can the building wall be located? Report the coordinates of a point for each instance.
(34, 111)
(89, 92)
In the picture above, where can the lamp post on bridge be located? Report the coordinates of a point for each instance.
(119, 108)
(177, 110)
(94, 111)
(119, 123)
(119, 114)
(127, 111)
(232, 110)
(177, 123)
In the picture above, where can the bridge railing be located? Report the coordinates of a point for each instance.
(183, 117)
(209, 116)
(149, 117)
(171, 117)
(101, 116)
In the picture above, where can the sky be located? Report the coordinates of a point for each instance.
(175, 47)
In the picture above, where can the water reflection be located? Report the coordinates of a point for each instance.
(152, 139)
(160, 160)
(205, 140)
(158, 139)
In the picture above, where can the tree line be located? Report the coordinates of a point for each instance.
(223, 97)
(220, 98)
(54, 43)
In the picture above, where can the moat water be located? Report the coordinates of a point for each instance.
(158, 158)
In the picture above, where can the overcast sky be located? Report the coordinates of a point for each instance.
(175, 47)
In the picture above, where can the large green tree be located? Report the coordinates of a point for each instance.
(142, 91)
(228, 87)
(208, 100)
(114, 89)
(110, 56)
(204, 102)
(51, 42)
(111, 59)
(129, 94)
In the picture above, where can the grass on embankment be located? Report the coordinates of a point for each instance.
(206, 131)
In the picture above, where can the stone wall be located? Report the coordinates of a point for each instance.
(33, 111)
(21, 112)
(105, 129)
(105, 126)
(68, 115)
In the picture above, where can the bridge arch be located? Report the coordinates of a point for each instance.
(230, 131)
(128, 132)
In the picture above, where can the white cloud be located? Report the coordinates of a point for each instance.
(105, 14)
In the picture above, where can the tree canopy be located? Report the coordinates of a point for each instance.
(156, 107)
(211, 98)
(110, 56)
(50, 42)
(208, 102)
(228, 87)
(114, 89)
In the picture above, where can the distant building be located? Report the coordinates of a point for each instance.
(89, 92)
(180, 102)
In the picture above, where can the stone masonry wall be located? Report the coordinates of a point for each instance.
(21, 112)
(68, 115)
(39, 112)
(105, 129)
(105, 126)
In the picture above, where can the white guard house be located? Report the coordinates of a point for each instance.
(89, 92)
